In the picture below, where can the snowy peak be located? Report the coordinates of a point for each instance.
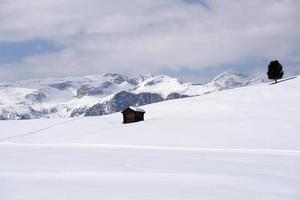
(166, 85)
(161, 84)
(228, 80)
(162, 79)
(139, 79)
(116, 78)
(228, 75)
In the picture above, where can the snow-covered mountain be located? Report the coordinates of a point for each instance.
(101, 94)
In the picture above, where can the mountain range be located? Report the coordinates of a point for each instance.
(102, 94)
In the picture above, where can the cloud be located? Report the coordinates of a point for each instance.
(149, 35)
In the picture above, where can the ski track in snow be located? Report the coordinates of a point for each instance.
(37, 131)
(148, 147)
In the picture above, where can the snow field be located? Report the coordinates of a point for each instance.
(236, 144)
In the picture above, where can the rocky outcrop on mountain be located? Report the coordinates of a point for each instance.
(30, 114)
(116, 78)
(176, 96)
(87, 90)
(36, 97)
(79, 111)
(122, 100)
(62, 85)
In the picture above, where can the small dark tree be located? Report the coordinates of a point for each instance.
(275, 70)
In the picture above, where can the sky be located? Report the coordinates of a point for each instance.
(189, 39)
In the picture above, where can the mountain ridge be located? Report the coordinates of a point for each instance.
(101, 94)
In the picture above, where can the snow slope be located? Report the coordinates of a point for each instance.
(236, 144)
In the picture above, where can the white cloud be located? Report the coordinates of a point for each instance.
(144, 36)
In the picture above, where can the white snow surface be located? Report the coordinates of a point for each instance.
(136, 109)
(236, 144)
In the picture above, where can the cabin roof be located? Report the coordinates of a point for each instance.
(135, 109)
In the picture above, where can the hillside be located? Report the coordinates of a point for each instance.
(241, 143)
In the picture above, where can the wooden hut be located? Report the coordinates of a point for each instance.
(133, 114)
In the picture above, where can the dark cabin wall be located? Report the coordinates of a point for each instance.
(130, 116)
(140, 116)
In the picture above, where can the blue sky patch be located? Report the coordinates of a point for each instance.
(11, 52)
